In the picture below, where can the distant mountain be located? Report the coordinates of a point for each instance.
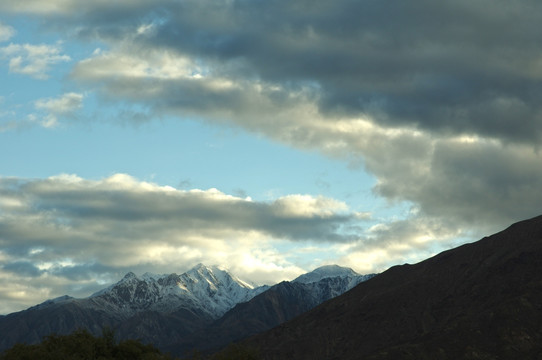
(157, 308)
(209, 290)
(327, 271)
(280, 303)
(171, 311)
(479, 301)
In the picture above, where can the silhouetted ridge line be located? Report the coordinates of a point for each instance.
(481, 300)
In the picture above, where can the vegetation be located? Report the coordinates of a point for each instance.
(82, 345)
(236, 352)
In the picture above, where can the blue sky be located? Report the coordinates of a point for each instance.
(266, 137)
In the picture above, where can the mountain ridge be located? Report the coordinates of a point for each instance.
(481, 300)
(280, 303)
(161, 309)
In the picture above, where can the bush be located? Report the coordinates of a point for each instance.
(81, 345)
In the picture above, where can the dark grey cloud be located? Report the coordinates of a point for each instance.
(446, 67)
(81, 272)
(471, 184)
(484, 178)
(420, 75)
(24, 268)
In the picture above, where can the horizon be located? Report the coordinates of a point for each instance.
(267, 137)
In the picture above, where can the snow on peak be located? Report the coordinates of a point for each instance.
(211, 289)
(152, 277)
(216, 289)
(329, 281)
(326, 271)
(129, 276)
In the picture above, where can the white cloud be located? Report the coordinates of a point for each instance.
(54, 108)
(65, 230)
(133, 63)
(65, 104)
(6, 32)
(400, 241)
(33, 60)
(39, 7)
(63, 7)
(308, 206)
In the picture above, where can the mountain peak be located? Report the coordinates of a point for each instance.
(326, 271)
(200, 266)
(129, 275)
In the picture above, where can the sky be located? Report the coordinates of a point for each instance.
(266, 137)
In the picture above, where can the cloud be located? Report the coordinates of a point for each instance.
(6, 32)
(62, 7)
(399, 88)
(33, 60)
(399, 241)
(449, 67)
(440, 101)
(470, 183)
(39, 7)
(68, 230)
(47, 112)
(24, 268)
(65, 105)
(121, 200)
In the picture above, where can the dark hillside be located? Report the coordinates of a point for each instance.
(479, 301)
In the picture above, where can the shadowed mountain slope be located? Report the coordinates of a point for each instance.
(204, 308)
(280, 303)
(159, 309)
(479, 301)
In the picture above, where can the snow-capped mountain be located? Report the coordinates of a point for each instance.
(348, 277)
(175, 312)
(278, 304)
(326, 282)
(325, 271)
(211, 290)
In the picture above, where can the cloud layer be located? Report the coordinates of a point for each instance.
(6, 32)
(33, 60)
(459, 67)
(439, 100)
(81, 231)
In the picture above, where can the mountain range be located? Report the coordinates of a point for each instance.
(481, 300)
(178, 312)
